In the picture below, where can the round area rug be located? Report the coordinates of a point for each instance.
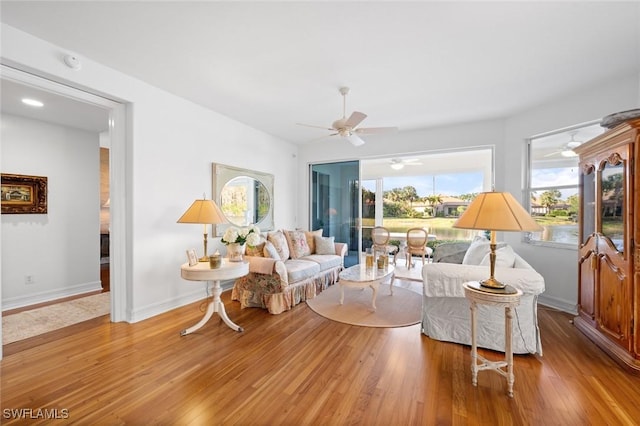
(402, 309)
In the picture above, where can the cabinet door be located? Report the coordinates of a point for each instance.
(614, 278)
(587, 269)
(614, 294)
(588, 249)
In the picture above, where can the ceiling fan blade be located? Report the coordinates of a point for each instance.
(355, 119)
(315, 127)
(354, 139)
(372, 130)
(323, 137)
(551, 154)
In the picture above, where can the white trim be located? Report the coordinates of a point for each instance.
(47, 296)
(119, 284)
(559, 304)
(176, 302)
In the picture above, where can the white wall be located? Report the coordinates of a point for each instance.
(558, 266)
(171, 144)
(60, 249)
(486, 133)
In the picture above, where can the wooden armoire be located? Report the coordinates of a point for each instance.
(609, 260)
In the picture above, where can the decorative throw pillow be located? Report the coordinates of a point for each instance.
(476, 251)
(311, 242)
(270, 251)
(325, 245)
(256, 250)
(505, 258)
(297, 242)
(279, 241)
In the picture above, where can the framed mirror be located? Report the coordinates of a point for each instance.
(244, 196)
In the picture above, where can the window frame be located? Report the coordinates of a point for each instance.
(528, 190)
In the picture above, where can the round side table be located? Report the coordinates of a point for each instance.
(202, 272)
(508, 301)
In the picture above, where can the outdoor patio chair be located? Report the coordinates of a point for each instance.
(417, 245)
(380, 236)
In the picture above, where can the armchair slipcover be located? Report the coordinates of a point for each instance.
(446, 312)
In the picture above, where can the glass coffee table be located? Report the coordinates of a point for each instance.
(359, 276)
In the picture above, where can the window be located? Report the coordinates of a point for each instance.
(552, 189)
(427, 190)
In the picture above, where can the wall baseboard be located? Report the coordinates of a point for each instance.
(559, 304)
(48, 296)
(168, 305)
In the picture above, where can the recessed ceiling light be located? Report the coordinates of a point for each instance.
(32, 102)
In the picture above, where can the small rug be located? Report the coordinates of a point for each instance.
(402, 309)
(37, 321)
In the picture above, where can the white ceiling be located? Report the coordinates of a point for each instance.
(57, 109)
(409, 64)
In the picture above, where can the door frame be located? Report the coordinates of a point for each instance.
(118, 165)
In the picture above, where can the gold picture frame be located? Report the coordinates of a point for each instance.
(22, 194)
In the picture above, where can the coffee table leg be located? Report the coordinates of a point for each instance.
(393, 277)
(341, 293)
(374, 287)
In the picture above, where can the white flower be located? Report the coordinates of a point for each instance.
(253, 239)
(243, 232)
(230, 235)
(249, 235)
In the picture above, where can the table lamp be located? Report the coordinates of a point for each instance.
(496, 211)
(205, 212)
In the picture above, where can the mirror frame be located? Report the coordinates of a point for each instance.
(221, 174)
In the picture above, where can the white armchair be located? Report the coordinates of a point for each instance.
(446, 314)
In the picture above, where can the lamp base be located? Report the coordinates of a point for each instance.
(204, 259)
(492, 283)
(507, 289)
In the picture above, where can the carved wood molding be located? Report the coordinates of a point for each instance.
(614, 159)
(588, 168)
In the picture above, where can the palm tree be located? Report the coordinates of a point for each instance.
(433, 200)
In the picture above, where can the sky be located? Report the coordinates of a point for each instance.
(445, 184)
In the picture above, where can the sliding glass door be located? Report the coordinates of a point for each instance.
(335, 206)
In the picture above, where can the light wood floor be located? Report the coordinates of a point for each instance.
(298, 368)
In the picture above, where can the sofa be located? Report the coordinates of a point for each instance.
(287, 268)
(446, 312)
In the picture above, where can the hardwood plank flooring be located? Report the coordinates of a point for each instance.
(299, 368)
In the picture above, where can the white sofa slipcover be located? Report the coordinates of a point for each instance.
(446, 312)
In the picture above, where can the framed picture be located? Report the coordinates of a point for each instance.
(191, 257)
(23, 194)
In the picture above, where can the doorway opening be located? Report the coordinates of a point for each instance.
(114, 113)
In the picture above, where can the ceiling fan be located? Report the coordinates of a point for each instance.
(399, 163)
(347, 128)
(567, 149)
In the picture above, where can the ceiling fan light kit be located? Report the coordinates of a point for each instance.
(399, 163)
(567, 149)
(347, 128)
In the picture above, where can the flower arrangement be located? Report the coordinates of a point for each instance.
(249, 235)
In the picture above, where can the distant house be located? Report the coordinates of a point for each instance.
(537, 209)
(450, 206)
